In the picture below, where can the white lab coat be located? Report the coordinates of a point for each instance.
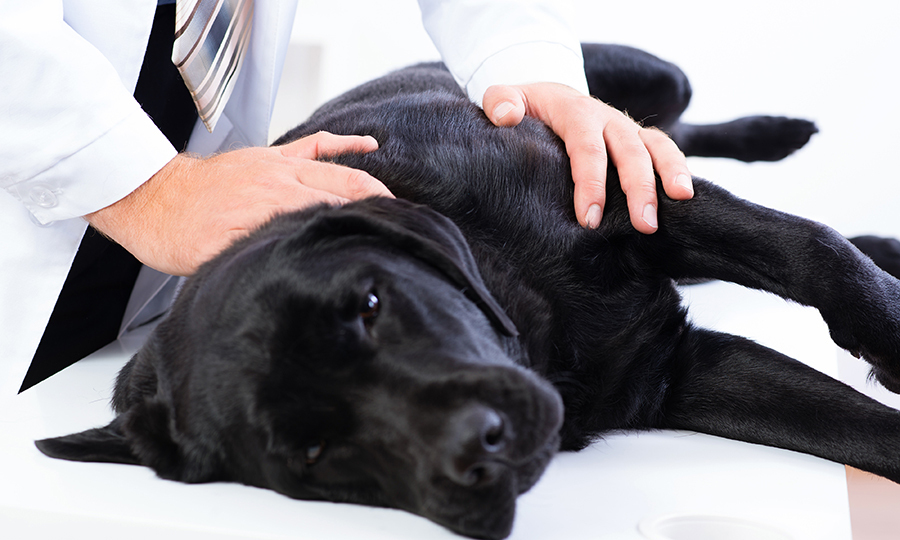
(68, 69)
(67, 74)
(487, 42)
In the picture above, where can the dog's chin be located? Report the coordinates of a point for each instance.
(495, 526)
(487, 511)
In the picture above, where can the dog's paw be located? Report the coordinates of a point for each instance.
(869, 328)
(886, 379)
(885, 358)
(884, 366)
(769, 138)
(885, 252)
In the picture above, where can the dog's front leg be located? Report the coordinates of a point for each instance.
(732, 387)
(717, 235)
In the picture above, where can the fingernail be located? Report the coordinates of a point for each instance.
(685, 181)
(593, 216)
(649, 216)
(502, 110)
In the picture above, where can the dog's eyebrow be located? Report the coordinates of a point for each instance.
(445, 252)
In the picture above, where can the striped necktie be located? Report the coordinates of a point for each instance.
(211, 39)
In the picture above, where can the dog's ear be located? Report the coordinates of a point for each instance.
(119, 442)
(423, 233)
(139, 436)
(107, 444)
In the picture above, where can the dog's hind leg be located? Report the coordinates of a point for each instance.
(752, 138)
(732, 387)
(719, 236)
(655, 93)
(650, 90)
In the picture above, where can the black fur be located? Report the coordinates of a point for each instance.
(380, 353)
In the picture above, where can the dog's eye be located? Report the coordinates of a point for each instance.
(369, 309)
(314, 452)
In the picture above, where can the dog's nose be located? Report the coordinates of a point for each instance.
(477, 438)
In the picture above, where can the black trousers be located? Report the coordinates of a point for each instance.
(90, 307)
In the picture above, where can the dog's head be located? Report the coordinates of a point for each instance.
(349, 354)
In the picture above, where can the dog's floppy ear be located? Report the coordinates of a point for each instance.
(423, 233)
(114, 443)
(142, 433)
(107, 444)
(138, 436)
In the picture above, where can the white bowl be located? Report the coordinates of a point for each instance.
(708, 527)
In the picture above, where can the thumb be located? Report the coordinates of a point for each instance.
(504, 105)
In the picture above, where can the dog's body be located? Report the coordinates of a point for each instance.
(382, 354)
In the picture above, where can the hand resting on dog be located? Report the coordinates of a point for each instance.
(595, 133)
(193, 208)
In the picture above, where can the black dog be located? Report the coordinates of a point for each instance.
(434, 356)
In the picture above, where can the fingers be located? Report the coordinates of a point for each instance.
(324, 144)
(343, 182)
(588, 157)
(635, 167)
(504, 105)
(637, 152)
(669, 163)
(339, 181)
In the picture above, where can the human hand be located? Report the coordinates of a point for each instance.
(591, 131)
(193, 208)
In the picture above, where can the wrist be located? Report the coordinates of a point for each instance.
(125, 221)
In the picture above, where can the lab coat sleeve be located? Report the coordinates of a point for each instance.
(487, 42)
(73, 139)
